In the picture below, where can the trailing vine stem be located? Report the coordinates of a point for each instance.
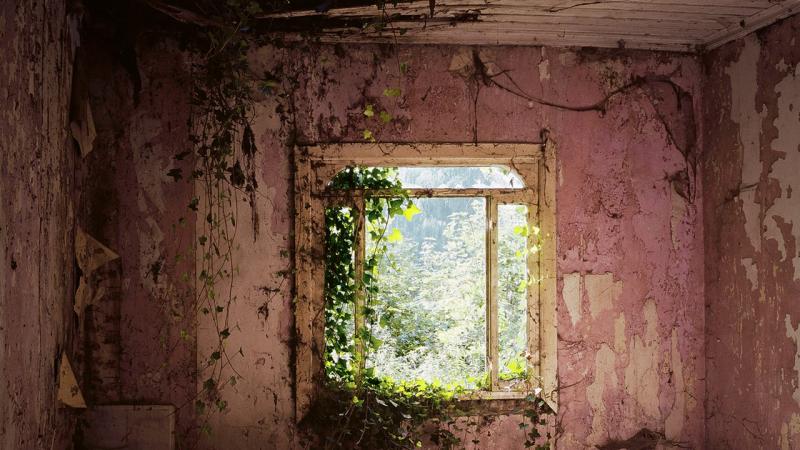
(681, 181)
(359, 408)
(222, 154)
(375, 412)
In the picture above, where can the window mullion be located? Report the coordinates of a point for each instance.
(358, 266)
(492, 354)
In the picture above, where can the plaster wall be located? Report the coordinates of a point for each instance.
(630, 244)
(140, 325)
(37, 282)
(752, 226)
(639, 347)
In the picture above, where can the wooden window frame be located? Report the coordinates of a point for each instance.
(316, 165)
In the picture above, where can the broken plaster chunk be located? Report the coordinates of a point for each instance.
(69, 393)
(90, 253)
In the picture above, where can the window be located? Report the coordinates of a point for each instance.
(479, 248)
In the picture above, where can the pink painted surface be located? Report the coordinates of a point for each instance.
(752, 225)
(141, 344)
(37, 282)
(677, 308)
(631, 332)
(637, 362)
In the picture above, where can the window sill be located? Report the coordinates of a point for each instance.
(494, 395)
(495, 403)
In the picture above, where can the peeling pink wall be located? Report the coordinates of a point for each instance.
(140, 337)
(639, 347)
(631, 315)
(752, 225)
(37, 280)
(630, 248)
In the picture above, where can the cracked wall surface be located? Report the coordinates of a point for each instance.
(140, 328)
(37, 283)
(631, 321)
(752, 225)
(630, 274)
(676, 282)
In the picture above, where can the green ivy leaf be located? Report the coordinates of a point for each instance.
(369, 111)
(369, 136)
(374, 342)
(395, 236)
(392, 92)
(385, 117)
(411, 211)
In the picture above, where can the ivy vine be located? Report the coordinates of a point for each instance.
(358, 408)
(222, 156)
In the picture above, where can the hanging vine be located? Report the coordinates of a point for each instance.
(358, 408)
(223, 152)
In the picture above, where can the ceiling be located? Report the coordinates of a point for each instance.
(672, 25)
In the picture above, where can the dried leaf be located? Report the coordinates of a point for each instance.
(69, 393)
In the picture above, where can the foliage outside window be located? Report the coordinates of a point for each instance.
(406, 320)
(423, 305)
(384, 386)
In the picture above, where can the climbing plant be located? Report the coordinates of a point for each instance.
(358, 408)
(222, 157)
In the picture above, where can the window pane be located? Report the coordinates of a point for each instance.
(512, 290)
(431, 295)
(459, 177)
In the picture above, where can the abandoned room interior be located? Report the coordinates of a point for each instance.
(376, 224)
